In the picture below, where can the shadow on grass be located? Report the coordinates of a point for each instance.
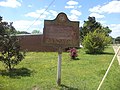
(16, 73)
(75, 59)
(64, 87)
(106, 53)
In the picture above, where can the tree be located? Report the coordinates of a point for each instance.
(35, 32)
(117, 39)
(10, 53)
(91, 25)
(6, 28)
(94, 36)
(22, 32)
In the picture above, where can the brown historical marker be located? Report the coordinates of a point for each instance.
(61, 33)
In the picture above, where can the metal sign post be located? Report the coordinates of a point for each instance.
(59, 67)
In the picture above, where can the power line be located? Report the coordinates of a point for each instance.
(41, 14)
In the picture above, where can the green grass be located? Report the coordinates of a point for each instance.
(38, 71)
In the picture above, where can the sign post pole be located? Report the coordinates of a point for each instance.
(59, 66)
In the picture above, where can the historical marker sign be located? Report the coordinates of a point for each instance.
(61, 32)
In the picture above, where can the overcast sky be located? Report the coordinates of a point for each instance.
(23, 13)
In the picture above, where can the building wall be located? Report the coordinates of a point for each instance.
(34, 43)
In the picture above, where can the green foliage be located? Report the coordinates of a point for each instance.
(7, 28)
(10, 53)
(35, 32)
(117, 40)
(94, 36)
(89, 26)
(92, 25)
(22, 32)
(95, 42)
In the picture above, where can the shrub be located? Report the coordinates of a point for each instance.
(94, 43)
(10, 52)
(73, 53)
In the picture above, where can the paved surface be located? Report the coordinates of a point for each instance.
(115, 47)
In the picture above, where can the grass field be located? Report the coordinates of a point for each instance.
(38, 72)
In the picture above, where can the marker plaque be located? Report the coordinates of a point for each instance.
(61, 32)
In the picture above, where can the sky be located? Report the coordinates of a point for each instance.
(29, 15)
